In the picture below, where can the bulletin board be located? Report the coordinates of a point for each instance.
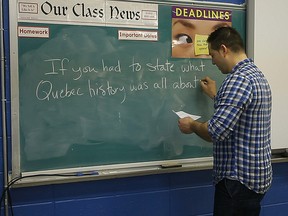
(269, 53)
(97, 83)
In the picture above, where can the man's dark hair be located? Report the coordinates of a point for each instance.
(227, 36)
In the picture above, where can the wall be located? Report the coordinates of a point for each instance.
(174, 194)
(260, 50)
(181, 194)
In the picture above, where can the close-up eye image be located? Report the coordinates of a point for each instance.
(189, 36)
(182, 39)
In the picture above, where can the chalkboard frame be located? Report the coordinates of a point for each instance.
(113, 170)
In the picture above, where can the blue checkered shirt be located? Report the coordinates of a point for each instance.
(240, 128)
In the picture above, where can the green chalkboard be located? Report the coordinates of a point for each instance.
(88, 99)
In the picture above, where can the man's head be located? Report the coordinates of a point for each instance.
(226, 48)
(227, 36)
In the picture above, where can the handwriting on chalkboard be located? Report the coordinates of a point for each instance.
(96, 84)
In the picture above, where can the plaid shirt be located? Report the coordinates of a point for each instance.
(240, 128)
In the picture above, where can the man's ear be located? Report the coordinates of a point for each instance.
(223, 50)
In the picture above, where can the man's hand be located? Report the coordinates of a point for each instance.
(188, 125)
(209, 87)
(184, 125)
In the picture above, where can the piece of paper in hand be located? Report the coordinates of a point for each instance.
(183, 114)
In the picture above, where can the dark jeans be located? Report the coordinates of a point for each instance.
(234, 199)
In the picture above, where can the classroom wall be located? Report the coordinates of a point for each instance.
(172, 194)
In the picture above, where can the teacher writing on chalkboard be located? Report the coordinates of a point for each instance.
(239, 127)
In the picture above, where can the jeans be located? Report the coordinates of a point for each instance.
(234, 199)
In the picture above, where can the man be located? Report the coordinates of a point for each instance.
(239, 127)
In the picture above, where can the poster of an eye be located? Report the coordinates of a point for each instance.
(191, 28)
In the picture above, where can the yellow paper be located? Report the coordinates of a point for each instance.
(201, 45)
